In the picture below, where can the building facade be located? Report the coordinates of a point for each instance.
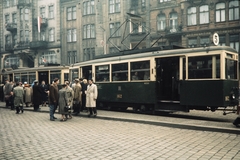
(30, 36)
(78, 30)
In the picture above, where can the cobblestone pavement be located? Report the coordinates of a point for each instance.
(32, 136)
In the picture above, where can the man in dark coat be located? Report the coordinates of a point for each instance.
(53, 98)
(7, 92)
(37, 93)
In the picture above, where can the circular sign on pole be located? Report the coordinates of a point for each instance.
(215, 39)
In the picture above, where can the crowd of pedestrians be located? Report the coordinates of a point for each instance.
(69, 98)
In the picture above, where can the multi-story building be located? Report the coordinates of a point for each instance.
(30, 36)
(78, 30)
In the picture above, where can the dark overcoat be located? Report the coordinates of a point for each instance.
(37, 93)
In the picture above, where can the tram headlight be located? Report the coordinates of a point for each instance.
(233, 97)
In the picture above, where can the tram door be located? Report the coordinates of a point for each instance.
(167, 78)
(43, 76)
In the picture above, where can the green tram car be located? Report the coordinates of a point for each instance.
(165, 80)
(46, 74)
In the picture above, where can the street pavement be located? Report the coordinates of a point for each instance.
(32, 135)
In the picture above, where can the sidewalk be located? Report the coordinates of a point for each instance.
(194, 120)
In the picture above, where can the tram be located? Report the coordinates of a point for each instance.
(165, 80)
(46, 74)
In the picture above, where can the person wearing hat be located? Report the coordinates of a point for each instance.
(53, 98)
(77, 97)
(63, 102)
(70, 95)
(37, 92)
(91, 98)
(7, 92)
(18, 94)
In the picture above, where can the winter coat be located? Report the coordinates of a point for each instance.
(28, 94)
(18, 94)
(91, 95)
(77, 93)
(70, 95)
(44, 94)
(8, 88)
(37, 92)
(63, 100)
(53, 94)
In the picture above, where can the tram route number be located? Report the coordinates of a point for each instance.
(226, 98)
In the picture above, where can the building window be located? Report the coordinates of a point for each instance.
(21, 14)
(204, 14)
(222, 41)
(6, 3)
(88, 7)
(26, 35)
(89, 31)
(43, 12)
(114, 27)
(7, 19)
(234, 42)
(26, 14)
(161, 22)
(14, 2)
(14, 18)
(48, 58)
(192, 16)
(192, 42)
(51, 12)
(72, 35)
(161, 1)
(114, 49)
(14, 40)
(89, 53)
(220, 12)
(114, 6)
(234, 10)
(143, 3)
(72, 57)
(21, 36)
(8, 39)
(9, 61)
(173, 21)
(71, 13)
(42, 36)
(51, 35)
(204, 41)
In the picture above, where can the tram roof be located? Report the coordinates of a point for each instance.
(150, 52)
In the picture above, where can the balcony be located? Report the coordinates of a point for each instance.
(9, 47)
(11, 27)
(139, 36)
(173, 31)
(38, 44)
(22, 45)
(44, 22)
(23, 3)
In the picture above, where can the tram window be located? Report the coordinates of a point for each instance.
(231, 69)
(87, 72)
(24, 78)
(66, 76)
(74, 74)
(17, 77)
(32, 77)
(54, 75)
(102, 73)
(200, 67)
(140, 70)
(120, 72)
